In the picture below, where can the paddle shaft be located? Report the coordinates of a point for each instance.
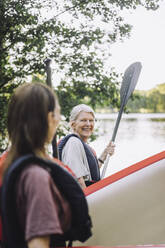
(49, 83)
(48, 72)
(115, 131)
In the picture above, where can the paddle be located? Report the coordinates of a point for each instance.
(129, 82)
(48, 72)
(49, 83)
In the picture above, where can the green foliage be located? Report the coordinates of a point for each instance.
(137, 102)
(71, 32)
(152, 101)
(99, 93)
(4, 99)
(73, 35)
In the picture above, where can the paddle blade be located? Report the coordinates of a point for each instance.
(129, 82)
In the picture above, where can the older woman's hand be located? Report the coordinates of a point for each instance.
(110, 149)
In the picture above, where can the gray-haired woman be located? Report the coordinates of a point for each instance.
(74, 150)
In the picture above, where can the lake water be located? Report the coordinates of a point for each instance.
(139, 136)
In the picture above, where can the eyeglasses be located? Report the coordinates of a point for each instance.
(90, 121)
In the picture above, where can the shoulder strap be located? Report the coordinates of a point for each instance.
(62, 143)
(81, 222)
(0, 220)
(59, 162)
(93, 163)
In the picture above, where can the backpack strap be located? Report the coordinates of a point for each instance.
(59, 162)
(0, 220)
(63, 142)
(81, 222)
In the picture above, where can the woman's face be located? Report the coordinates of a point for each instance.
(53, 122)
(84, 125)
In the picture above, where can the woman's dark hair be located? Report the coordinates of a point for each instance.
(27, 120)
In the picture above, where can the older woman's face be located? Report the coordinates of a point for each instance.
(84, 125)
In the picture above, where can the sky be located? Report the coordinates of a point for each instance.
(146, 45)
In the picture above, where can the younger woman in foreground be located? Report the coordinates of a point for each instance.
(43, 211)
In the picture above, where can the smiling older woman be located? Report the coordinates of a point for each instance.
(76, 153)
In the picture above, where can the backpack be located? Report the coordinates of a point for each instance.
(81, 222)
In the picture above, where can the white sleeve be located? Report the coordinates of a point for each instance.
(74, 156)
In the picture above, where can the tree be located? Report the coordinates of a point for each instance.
(138, 102)
(149, 101)
(72, 33)
(153, 100)
(161, 88)
(156, 99)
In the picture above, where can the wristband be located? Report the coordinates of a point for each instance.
(101, 161)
